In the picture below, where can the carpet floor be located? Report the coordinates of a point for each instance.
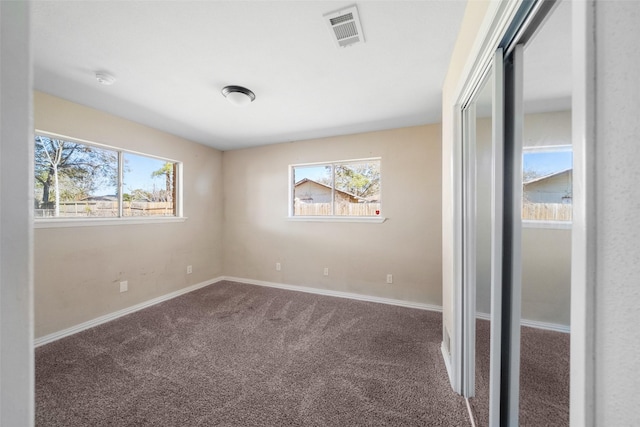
(544, 377)
(232, 354)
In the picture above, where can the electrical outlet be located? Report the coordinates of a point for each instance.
(326, 271)
(389, 278)
(278, 266)
(189, 269)
(124, 286)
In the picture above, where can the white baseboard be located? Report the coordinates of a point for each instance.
(360, 297)
(339, 294)
(533, 324)
(116, 314)
(112, 316)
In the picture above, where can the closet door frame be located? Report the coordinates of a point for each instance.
(503, 51)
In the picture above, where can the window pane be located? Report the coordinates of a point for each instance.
(344, 189)
(312, 190)
(357, 189)
(74, 179)
(148, 187)
(547, 191)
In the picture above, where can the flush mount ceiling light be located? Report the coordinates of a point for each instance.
(105, 78)
(238, 95)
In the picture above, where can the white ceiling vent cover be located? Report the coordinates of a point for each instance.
(345, 26)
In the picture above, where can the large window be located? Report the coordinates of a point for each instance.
(547, 191)
(339, 189)
(75, 179)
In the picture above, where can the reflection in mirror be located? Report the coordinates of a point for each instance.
(546, 236)
(483, 167)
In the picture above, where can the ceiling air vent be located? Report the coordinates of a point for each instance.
(345, 26)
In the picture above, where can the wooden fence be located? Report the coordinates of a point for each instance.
(106, 209)
(530, 211)
(341, 209)
(547, 211)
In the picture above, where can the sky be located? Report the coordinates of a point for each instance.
(138, 170)
(137, 175)
(312, 172)
(547, 162)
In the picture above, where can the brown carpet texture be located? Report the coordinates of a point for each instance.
(544, 377)
(232, 354)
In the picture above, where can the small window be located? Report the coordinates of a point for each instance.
(547, 190)
(338, 189)
(76, 179)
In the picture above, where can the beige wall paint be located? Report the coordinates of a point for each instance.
(78, 270)
(547, 129)
(257, 233)
(546, 275)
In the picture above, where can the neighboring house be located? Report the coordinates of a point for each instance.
(553, 188)
(107, 198)
(309, 191)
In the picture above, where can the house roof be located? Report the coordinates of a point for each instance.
(302, 181)
(552, 175)
(105, 198)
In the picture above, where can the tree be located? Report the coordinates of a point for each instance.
(531, 174)
(70, 169)
(359, 179)
(167, 171)
(137, 195)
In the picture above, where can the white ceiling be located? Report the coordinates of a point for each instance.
(547, 63)
(172, 58)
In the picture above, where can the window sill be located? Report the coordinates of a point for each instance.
(371, 220)
(94, 222)
(559, 225)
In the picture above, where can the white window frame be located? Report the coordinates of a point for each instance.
(62, 222)
(332, 218)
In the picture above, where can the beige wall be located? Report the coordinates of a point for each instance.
(546, 275)
(257, 233)
(78, 270)
(547, 129)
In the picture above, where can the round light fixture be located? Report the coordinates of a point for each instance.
(238, 95)
(105, 78)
